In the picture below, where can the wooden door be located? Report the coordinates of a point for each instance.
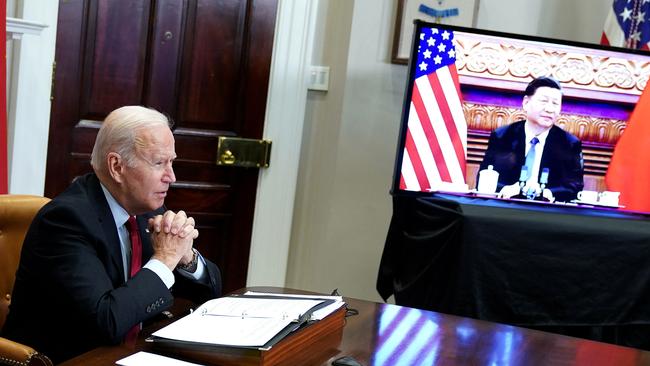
(205, 63)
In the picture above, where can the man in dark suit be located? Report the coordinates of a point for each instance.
(79, 283)
(554, 149)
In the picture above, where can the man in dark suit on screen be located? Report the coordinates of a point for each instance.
(535, 153)
(104, 256)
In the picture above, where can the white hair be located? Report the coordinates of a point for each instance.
(119, 133)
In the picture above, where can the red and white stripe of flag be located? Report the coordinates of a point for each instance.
(612, 33)
(436, 138)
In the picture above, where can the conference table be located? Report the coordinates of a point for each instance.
(574, 269)
(385, 334)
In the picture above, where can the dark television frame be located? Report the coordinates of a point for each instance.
(625, 106)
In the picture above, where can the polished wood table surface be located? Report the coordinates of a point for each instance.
(384, 334)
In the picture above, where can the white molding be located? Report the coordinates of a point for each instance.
(285, 115)
(17, 27)
(29, 84)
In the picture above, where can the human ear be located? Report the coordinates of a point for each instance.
(524, 102)
(115, 166)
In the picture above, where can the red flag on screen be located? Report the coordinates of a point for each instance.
(436, 137)
(629, 169)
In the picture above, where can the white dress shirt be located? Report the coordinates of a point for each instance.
(539, 151)
(159, 268)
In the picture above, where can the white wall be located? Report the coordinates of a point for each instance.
(343, 206)
(577, 20)
(28, 97)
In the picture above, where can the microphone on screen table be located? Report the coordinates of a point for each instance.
(543, 181)
(523, 176)
(543, 178)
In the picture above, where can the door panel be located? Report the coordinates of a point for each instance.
(213, 75)
(165, 55)
(203, 63)
(115, 55)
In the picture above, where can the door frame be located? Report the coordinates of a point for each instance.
(283, 124)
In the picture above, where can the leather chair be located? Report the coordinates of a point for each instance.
(16, 214)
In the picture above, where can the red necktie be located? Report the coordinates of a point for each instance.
(136, 263)
(136, 246)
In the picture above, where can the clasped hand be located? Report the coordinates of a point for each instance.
(172, 236)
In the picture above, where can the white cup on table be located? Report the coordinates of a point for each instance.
(609, 198)
(588, 197)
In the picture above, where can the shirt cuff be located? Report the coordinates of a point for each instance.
(162, 271)
(200, 268)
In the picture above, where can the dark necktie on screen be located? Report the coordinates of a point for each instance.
(136, 263)
(530, 157)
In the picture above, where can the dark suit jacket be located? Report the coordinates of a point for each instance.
(562, 155)
(70, 294)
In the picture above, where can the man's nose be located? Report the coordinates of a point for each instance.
(169, 176)
(550, 107)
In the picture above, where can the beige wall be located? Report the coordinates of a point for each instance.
(342, 202)
(343, 208)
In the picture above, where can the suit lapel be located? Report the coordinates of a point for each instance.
(519, 144)
(547, 154)
(107, 223)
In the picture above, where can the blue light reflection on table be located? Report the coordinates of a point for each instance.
(407, 336)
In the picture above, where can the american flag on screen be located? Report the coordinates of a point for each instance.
(628, 24)
(436, 136)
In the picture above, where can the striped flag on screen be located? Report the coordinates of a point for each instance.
(436, 136)
(628, 24)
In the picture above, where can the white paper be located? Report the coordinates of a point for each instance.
(319, 314)
(237, 321)
(257, 308)
(148, 359)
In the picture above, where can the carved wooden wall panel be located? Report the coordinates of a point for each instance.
(494, 71)
(520, 61)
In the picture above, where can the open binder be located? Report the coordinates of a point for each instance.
(241, 321)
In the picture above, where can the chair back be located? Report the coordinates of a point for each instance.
(16, 214)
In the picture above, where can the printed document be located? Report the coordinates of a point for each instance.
(239, 321)
(316, 315)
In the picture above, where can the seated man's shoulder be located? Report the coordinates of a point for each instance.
(73, 201)
(568, 136)
(508, 129)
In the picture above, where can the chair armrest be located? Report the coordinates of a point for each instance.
(13, 353)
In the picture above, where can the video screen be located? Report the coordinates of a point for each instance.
(534, 118)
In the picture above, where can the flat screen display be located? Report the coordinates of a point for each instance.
(466, 93)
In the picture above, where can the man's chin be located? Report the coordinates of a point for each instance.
(156, 204)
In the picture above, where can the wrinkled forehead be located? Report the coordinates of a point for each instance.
(155, 140)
